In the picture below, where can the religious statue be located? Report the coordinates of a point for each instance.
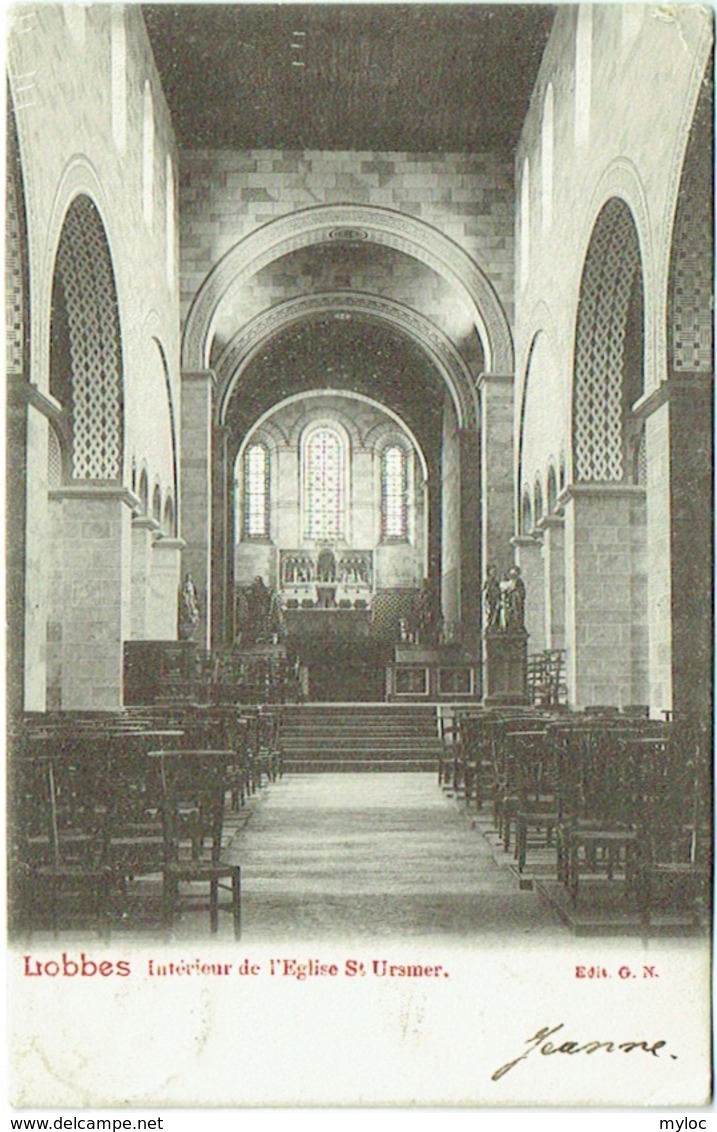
(513, 594)
(428, 617)
(188, 609)
(492, 599)
(326, 566)
(260, 619)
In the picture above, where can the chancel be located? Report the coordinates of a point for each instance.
(360, 373)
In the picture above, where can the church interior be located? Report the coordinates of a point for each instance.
(359, 467)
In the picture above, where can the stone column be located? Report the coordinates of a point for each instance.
(144, 528)
(165, 577)
(497, 485)
(95, 568)
(606, 630)
(16, 499)
(553, 528)
(450, 517)
(678, 435)
(33, 617)
(471, 564)
(529, 556)
(221, 549)
(196, 490)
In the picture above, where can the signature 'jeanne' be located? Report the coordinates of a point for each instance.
(540, 1042)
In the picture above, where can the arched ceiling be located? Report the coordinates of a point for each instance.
(367, 268)
(332, 352)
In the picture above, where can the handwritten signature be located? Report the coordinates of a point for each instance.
(539, 1042)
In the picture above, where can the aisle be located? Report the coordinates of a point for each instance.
(374, 855)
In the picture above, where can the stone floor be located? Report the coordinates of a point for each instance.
(360, 856)
(347, 856)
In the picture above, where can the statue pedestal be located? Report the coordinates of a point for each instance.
(505, 673)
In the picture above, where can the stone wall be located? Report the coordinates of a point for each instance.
(92, 122)
(226, 195)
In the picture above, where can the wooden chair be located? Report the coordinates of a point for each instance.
(675, 843)
(597, 789)
(60, 825)
(194, 785)
(536, 809)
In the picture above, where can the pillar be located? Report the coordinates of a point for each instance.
(95, 568)
(221, 554)
(471, 563)
(165, 576)
(450, 517)
(196, 490)
(553, 528)
(606, 607)
(144, 528)
(529, 556)
(16, 502)
(497, 486)
(678, 436)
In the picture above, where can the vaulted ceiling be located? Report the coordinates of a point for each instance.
(413, 77)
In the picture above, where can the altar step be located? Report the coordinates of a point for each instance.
(360, 737)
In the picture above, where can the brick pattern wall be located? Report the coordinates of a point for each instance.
(226, 195)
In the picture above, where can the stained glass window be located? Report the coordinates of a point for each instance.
(394, 493)
(256, 491)
(323, 484)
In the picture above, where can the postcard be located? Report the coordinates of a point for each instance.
(359, 557)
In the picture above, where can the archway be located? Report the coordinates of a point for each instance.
(680, 435)
(87, 511)
(355, 353)
(379, 225)
(17, 327)
(605, 515)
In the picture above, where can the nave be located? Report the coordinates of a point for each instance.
(375, 856)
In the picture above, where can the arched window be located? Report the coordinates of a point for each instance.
(526, 513)
(324, 501)
(552, 490)
(394, 493)
(168, 523)
(256, 491)
(538, 501)
(143, 492)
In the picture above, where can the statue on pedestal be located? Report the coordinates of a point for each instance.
(260, 619)
(514, 599)
(504, 599)
(492, 599)
(188, 609)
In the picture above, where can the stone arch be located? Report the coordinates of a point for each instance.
(169, 517)
(143, 491)
(378, 225)
(157, 504)
(526, 513)
(17, 296)
(91, 380)
(537, 500)
(621, 180)
(248, 341)
(266, 427)
(352, 435)
(690, 282)
(551, 490)
(172, 418)
(611, 302)
(540, 371)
